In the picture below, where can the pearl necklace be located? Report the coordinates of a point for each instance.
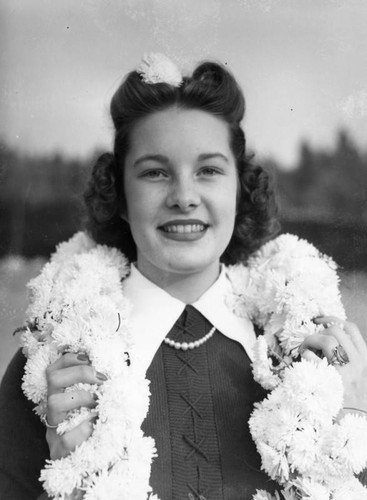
(189, 345)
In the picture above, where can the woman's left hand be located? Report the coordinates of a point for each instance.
(348, 339)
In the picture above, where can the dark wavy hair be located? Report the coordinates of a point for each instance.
(212, 89)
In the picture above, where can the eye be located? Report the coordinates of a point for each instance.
(154, 173)
(210, 171)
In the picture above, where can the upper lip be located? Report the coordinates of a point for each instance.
(184, 222)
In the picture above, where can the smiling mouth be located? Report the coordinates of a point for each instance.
(184, 228)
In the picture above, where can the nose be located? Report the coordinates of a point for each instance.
(183, 193)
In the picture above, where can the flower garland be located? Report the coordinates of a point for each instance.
(302, 447)
(77, 305)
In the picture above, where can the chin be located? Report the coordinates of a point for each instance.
(189, 266)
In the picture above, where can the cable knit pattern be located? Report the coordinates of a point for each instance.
(198, 417)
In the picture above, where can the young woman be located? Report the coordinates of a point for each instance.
(180, 199)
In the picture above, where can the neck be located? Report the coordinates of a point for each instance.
(187, 287)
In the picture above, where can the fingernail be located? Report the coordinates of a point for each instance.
(82, 357)
(100, 376)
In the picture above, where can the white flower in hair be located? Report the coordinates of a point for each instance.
(158, 68)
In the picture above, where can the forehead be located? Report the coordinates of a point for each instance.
(179, 131)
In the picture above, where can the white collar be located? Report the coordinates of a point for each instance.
(155, 312)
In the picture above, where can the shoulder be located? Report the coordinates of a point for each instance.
(11, 382)
(14, 406)
(23, 448)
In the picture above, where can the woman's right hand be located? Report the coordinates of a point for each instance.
(68, 370)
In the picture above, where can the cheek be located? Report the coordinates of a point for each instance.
(142, 207)
(229, 199)
(133, 199)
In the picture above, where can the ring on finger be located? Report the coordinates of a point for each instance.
(339, 357)
(45, 422)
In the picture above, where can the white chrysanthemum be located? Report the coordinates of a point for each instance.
(274, 463)
(276, 426)
(158, 68)
(290, 425)
(352, 440)
(29, 342)
(100, 487)
(315, 388)
(109, 355)
(304, 451)
(262, 367)
(79, 243)
(350, 490)
(241, 296)
(34, 379)
(309, 489)
(74, 418)
(60, 477)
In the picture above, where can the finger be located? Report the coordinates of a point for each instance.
(340, 330)
(59, 404)
(344, 340)
(320, 342)
(60, 379)
(327, 321)
(61, 446)
(69, 359)
(79, 434)
(310, 356)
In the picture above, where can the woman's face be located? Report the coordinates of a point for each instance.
(180, 185)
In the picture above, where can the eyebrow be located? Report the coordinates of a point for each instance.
(163, 159)
(209, 156)
(158, 158)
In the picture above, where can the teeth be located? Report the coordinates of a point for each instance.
(181, 228)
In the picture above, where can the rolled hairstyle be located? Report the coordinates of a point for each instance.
(212, 89)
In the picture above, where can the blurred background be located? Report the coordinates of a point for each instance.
(303, 69)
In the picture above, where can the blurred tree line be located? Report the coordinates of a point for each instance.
(40, 201)
(324, 199)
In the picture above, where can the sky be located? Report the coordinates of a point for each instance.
(301, 63)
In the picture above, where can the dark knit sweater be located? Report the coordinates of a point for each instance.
(200, 405)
